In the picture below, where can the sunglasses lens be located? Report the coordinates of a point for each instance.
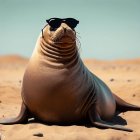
(54, 22)
(71, 22)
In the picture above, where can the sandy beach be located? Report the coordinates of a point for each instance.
(122, 76)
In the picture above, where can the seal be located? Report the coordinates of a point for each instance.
(58, 88)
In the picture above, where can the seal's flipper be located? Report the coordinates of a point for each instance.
(21, 118)
(98, 122)
(123, 106)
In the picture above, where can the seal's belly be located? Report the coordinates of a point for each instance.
(53, 106)
(53, 99)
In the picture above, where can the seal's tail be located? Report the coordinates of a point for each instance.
(123, 106)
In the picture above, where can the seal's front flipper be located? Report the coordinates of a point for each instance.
(98, 122)
(21, 118)
(123, 106)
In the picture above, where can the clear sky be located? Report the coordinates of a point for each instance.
(108, 29)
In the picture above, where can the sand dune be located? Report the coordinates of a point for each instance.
(122, 76)
(13, 58)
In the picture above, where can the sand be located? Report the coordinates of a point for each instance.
(122, 76)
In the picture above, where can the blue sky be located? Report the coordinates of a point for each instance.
(108, 29)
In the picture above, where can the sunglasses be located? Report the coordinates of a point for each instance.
(56, 22)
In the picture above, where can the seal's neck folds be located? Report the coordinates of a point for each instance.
(58, 53)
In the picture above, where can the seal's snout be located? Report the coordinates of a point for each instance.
(64, 34)
(65, 30)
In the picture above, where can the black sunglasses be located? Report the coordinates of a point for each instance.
(56, 22)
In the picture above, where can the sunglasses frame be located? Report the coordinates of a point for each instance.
(71, 22)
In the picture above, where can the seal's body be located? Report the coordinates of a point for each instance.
(58, 88)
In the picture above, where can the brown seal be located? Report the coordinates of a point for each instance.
(59, 89)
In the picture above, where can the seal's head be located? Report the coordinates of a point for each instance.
(60, 31)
